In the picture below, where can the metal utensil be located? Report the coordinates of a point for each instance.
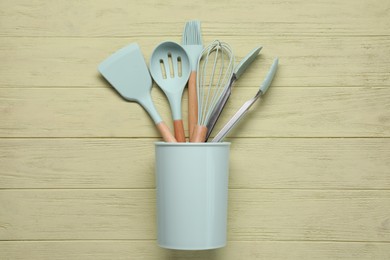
(192, 43)
(170, 69)
(127, 72)
(238, 71)
(247, 105)
(215, 67)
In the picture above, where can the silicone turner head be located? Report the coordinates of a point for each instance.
(127, 72)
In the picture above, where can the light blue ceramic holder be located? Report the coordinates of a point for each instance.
(192, 195)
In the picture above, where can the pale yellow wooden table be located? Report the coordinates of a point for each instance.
(310, 166)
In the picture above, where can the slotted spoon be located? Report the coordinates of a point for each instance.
(170, 69)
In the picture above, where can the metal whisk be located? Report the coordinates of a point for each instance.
(215, 67)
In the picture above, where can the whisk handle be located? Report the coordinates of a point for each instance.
(199, 134)
(219, 107)
(192, 104)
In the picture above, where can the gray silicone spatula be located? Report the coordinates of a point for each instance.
(127, 72)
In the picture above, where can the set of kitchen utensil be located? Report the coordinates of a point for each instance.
(191, 177)
(209, 72)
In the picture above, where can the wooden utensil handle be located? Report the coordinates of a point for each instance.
(192, 104)
(165, 132)
(199, 134)
(179, 131)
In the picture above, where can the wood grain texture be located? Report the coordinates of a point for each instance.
(254, 215)
(178, 127)
(91, 18)
(304, 61)
(284, 112)
(309, 168)
(148, 250)
(265, 163)
(192, 110)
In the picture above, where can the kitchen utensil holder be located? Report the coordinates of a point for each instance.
(192, 195)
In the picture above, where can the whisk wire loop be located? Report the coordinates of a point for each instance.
(211, 85)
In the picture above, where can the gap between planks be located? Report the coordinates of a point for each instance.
(153, 188)
(229, 240)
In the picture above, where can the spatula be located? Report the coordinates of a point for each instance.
(127, 72)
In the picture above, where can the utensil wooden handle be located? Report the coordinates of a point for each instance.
(179, 131)
(192, 104)
(199, 134)
(165, 132)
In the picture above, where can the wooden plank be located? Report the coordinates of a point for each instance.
(304, 61)
(95, 250)
(284, 112)
(123, 18)
(327, 198)
(268, 163)
(254, 215)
